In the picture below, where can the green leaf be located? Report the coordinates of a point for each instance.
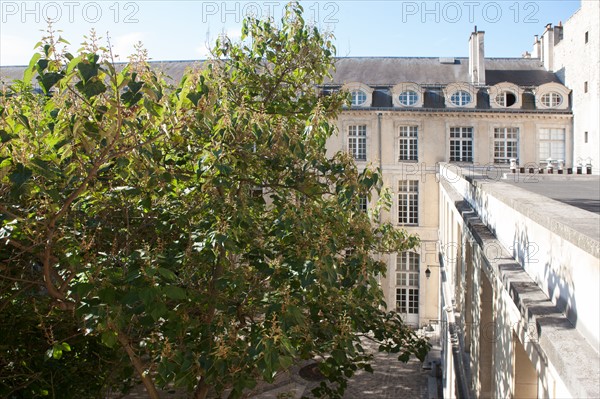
(20, 175)
(28, 74)
(92, 88)
(48, 80)
(109, 338)
(23, 120)
(131, 98)
(158, 311)
(87, 71)
(4, 136)
(174, 292)
(167, 274)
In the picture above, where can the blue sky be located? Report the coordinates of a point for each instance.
(182, 30)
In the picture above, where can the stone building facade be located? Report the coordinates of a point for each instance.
(410, 114)
(509, 278)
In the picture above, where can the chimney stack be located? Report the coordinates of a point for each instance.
(477, 58)
(537, 51)
(547, 48)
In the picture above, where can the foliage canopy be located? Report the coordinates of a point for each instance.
(197, 233)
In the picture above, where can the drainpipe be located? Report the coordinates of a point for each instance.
(379, 137)
(381, 169)
(379, 149)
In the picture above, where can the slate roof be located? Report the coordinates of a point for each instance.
(382, 73)
(388, 71)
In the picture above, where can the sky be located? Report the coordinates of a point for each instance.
(184, 30)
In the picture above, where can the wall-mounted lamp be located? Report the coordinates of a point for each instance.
(427, 272)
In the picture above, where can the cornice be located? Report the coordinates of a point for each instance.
(461, 113)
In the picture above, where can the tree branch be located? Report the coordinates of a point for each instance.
(137, 364)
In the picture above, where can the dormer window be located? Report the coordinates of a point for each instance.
(460, 95)
(359, 97)
(505, 95)
(551, 100)
(407, 94)
(552, 95)
(506, 99)
(461, 98)
(408, 98)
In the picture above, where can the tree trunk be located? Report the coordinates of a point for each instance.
(139, 367)
(201, 390)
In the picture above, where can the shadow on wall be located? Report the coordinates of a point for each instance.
(555, 279)
(480, 204)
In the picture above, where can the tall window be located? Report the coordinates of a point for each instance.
(506, 144)
(407, 283)
(408, 143)
(552, 144)
(357, 142)
(363, 203)
(408, 202)
(461, 144)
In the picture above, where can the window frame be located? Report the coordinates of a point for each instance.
(408, 269)
(547, 94)
(411, 96)
(354, 96)
(551, 95)
(409, 136)
(461, 141)
(408, 202)
(461, 95)
(505, 131)
(363, 203)
(417, 93)
(356, 141)
(500, 91)
(503, 96)
(552, 142)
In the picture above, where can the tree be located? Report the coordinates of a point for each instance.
(200, 229)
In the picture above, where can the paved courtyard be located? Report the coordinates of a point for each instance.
(390, 379)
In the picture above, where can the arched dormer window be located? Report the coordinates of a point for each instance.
(552, 96)
(358, 97)
(460, 95)
(505, 95)
(407, 95)
(361, 95)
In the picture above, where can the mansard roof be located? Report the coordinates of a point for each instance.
(387, 71)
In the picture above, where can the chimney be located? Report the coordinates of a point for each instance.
(537, 51)
(547, 45)
(558, 33)
(476, 58)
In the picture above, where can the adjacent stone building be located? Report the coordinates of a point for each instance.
(572, 52)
